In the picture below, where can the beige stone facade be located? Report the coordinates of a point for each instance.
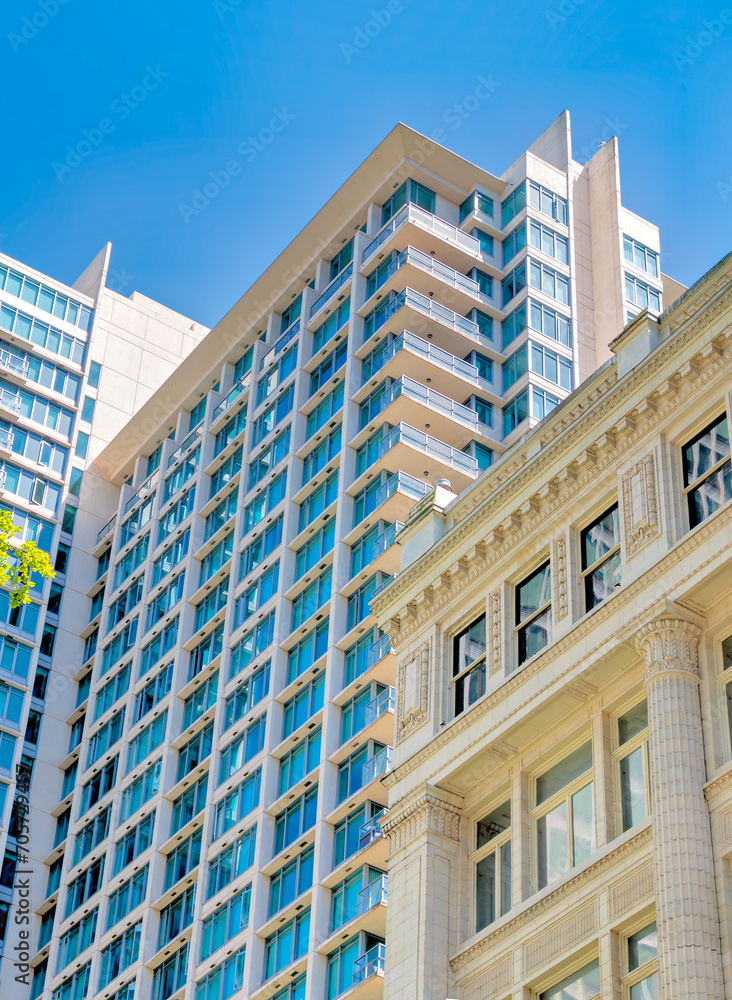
(560, 805)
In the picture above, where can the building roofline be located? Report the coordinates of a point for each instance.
(244, 322)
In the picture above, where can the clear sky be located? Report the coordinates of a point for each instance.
(115, 112)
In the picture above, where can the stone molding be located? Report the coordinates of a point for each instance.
(640, 505)
(552, 497)
(560, 562)
(718, 785)
(669, 644)
(507, 932)
(496, 631)
(429, 813)
(625, 597)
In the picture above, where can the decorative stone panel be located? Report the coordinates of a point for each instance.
(561, 594)
(413, 688)
(630, 892)
(550, 944)
(494, 982)
(640, 504)
(429, 812)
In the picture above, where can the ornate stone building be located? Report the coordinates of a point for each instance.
(560, 803)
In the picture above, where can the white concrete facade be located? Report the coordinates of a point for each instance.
(562, 829)
(224, 661)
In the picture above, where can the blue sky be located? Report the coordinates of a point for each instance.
(114, 113)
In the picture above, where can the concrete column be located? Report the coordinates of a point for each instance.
(422, 915)
(686, 902)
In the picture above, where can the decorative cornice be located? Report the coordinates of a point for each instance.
(669, 644)
(564, 431)
(625, 597)
(718, 785)
(570, 888)
(430, 812)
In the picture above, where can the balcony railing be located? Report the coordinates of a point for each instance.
(280, 344)
(387, 538)
(382, 703)
(373, 895)
(6, 438)
(13, 364)
(377, 765)
(144, 491)
(415, 345)
(370, 964)
(402, 482)
(336, 283)
(406, 386)
(369, 832)
(430, 446)
(425, 220)
(233, 394)
(378, 651)
(10, 401)
(103, 532)
(426, 263)
(184, 446)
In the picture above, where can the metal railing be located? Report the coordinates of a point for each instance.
(13, 364)
(369, 832)
(402, 482)
(425, 220)
(387, 538)
(378, 706)
(407, 341)
(103, 532)
(370, 964)
(142, 492)
(430, 446)
(377, 765)
(336, 283)
(10, 401)
(423, 261)
(406, 386)
(232, 395)
(378, 650)
(375, 894)
(183, 447)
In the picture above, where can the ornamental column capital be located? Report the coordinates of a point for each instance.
(669, 643)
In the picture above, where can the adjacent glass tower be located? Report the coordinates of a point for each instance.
(214, 825)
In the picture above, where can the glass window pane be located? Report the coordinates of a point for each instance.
(642, 947)
(495, 822)
(551, 844)
(647, 989)
(581, 985)
(564, 772)
(633, 722)
(583, 824)
(632, 789)
(533, 593)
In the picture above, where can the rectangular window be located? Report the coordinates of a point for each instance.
(493, 866)
(584, 984)
(513, 284)
(176, 916)
(220, 515)
(301, 760)
(140, 791)
(325, 410)
(356, 831)
(175, 516)
(247, 695)
(206, 651)
(468, 664)
(642, 981)
(159, 646)
(98, 786)
(633, 765)
(551, 366)
(549, 242)
(286, 945)
(251, 644)
(225, 472)
(640, 256)
(223, 980)
(171, 976)
(307, 651)
(601, 567)
(256, 595)
(303, 706)
(126, 602)
(77, 939)
(564, 819)
(550, 282)
(707, 471)
(548, 203)
(534, 613)
(337, 319)
(203, 698)
(265, 502)
(153, 692)
(319, 500)
(295, 820)
(409, 192)
(188, 804)
(133, 843)
(182, 860)
(105, 737)
(91, 835)
(84, 886)
(291, 881)
(119, 954)
(642, 295)
(512, 205)
(513, 243)
(225, 922)
(261, 547)
(242, 749)
(237, 804)
(196, 750)
(232, 862)
(310, 600)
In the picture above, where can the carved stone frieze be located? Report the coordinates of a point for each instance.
(429, 812)
(640, 504)
(669, 644)
(413, 687)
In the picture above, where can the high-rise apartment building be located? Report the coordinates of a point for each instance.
(75, 364)
(214, 826)
(560, 799)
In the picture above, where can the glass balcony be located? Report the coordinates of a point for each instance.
(370, 964)
(387, 538)
(336, 283)
(5, 438)
(16, 366)
(377, 765)
(430, 446)
(373, 895)
(109, 526)
(408, 387)
(368, 833)
(232, 395)
(381, 704)
(425, 220)
(402, 482)
(428, 264)
(378, 651)
(415, 345)
(10, 401)
(184, 446)
(145, 490)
